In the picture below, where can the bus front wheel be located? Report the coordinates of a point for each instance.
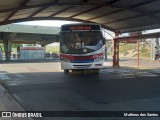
(96, 71)
(66, 72)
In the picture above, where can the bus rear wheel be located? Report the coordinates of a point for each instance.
(66, 72)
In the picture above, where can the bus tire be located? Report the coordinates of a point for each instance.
(96, 71)
(66, 72)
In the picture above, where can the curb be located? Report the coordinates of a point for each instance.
(8, 103)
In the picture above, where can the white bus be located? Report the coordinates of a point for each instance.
(81, 47)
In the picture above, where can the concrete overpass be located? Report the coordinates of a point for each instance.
(26, 34)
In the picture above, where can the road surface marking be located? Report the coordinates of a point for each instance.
(3, 76)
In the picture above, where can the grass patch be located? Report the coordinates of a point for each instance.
(125, 47)
(144, 49)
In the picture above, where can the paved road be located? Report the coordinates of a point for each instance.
(44, 87)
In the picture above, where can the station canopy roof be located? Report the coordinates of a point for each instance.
(115, 15)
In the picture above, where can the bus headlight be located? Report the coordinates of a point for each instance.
(98, 58)
(65, 59)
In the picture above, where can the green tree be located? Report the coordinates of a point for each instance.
(16, 45)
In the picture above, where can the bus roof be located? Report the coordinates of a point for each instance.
(80, 24)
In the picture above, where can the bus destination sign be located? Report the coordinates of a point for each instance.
(80, 27)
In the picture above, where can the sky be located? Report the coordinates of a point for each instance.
(56, 23)
(151, 31)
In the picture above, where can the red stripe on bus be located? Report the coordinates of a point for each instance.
(70, 57)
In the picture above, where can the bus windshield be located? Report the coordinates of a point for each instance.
(80, 42)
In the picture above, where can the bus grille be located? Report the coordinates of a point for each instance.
(82, 66)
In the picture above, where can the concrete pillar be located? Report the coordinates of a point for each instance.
(7, 48)
(116, 53)
(7, 41)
